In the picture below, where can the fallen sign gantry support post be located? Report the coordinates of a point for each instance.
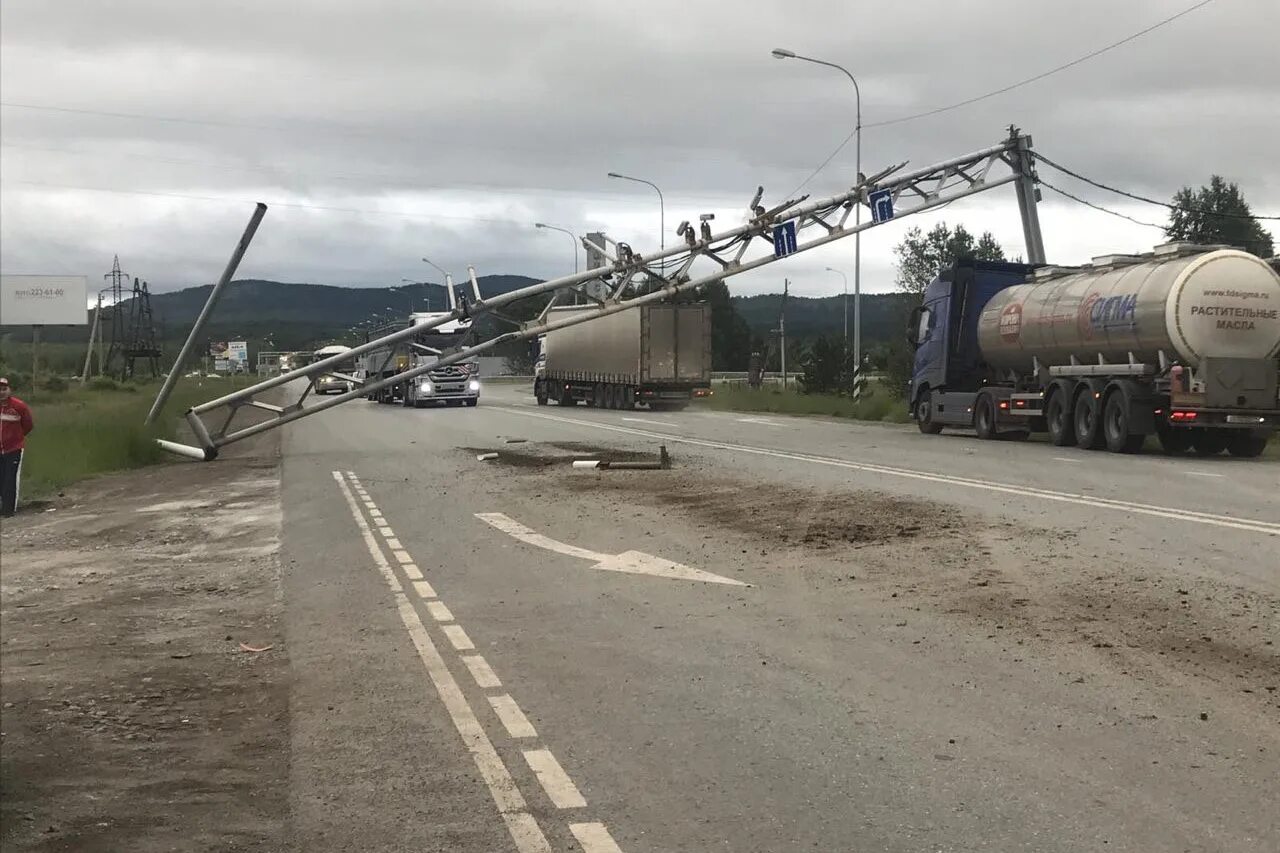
(632, 279)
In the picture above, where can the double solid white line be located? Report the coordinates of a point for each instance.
(594, 837)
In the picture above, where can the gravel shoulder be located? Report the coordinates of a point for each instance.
(142, 663)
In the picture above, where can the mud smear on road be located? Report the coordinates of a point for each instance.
(1031, 586)
(1144, 621)
(133, 718)
(780, 516)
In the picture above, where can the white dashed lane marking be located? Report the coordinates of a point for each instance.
(594, 838)
(522, 826)
(439, 611)
(458, 638)
(513, 719)
(559, 787)
(486, 678)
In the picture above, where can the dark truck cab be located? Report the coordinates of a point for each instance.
(948, 368)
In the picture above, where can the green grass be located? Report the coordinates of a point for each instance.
(879, 405)
(94, 430)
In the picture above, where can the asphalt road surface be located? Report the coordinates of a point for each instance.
(805, 635)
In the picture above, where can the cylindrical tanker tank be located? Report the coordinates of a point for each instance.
(1223, 303)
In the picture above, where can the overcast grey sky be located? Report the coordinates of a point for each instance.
(448, 129)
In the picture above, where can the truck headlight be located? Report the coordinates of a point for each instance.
(424, 387)
(473, 385)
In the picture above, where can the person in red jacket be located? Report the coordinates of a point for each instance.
(15, 423)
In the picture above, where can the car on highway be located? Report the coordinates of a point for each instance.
(335, 383)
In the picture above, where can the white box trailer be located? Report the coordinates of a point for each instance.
(659, 355)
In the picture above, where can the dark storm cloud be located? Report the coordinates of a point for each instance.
(482, 118)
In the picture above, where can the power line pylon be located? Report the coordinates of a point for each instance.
(142, 333)
(116, 351)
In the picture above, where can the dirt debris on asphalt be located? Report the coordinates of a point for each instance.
(1142, 622)
(133, 718)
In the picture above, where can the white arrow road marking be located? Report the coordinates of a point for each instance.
(631, 562)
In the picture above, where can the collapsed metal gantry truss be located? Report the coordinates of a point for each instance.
(631, 279)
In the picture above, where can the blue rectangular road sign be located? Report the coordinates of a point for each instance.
(881, 202)
(784, 239)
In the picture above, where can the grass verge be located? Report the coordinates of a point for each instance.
(878, 405)
(85, 431)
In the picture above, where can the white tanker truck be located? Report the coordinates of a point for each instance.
(1182, 343)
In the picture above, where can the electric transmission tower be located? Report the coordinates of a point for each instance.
(116, 350)
(142, 333)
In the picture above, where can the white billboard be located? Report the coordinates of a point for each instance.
(44, 300)
(238, 351)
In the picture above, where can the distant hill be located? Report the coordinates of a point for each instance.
(253, 302)
(284, 315)
(294, 315)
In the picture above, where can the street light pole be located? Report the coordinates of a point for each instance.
(845, 279)
(572, 237)
(782, 53)
(662, 213)
(449, 295)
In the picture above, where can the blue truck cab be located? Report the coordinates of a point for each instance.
(948, 368)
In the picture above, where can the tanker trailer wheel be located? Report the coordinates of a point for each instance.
(1209, 442)
(1061, 426)
(1088, 420)
(1247, 444)
(984, 417)
(924, 414)
(1115, 424)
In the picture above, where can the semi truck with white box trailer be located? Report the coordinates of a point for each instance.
(1181, 343)
(658, 355)
(451, 385)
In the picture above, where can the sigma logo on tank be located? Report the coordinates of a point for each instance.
(1011, 322)
(1112, 312)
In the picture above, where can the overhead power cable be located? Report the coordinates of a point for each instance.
(1003, 89)
(1076, 198)
(1136, 197)
(1063, 67)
